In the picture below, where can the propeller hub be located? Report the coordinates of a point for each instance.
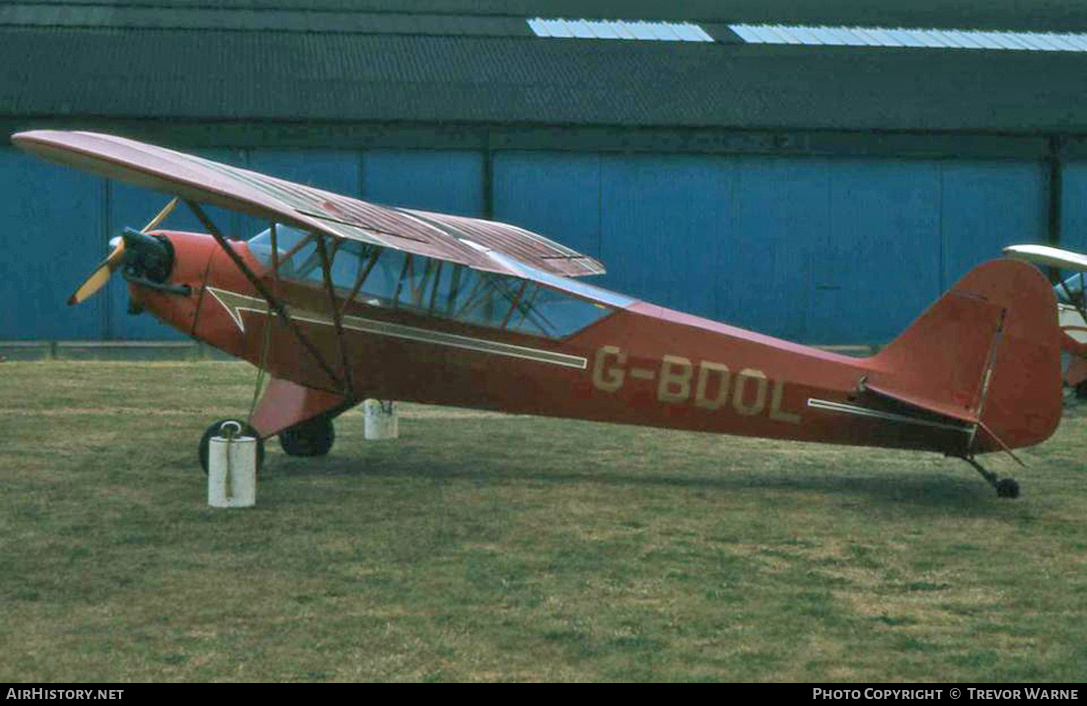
(147, 257)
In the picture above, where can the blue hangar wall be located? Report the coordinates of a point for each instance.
(818, 250)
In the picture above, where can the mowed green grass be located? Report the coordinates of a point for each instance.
(489, 547)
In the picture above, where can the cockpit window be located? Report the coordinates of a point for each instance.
(385, 277)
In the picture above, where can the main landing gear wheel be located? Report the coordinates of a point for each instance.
(214, 430)
(313, 437)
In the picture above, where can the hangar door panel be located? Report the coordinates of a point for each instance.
(782, 217)
(53, 239)
(986, 206)
(881, 263)
(815, 250)
(555, 194)
(664, 221)
(444, 181)
(1074, 207)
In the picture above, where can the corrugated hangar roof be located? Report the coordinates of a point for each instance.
(191, 61)
(1040, 15)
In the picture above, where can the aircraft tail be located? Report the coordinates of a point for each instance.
(986, 354)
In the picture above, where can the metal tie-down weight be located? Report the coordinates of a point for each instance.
(380, 420)
(232, 468)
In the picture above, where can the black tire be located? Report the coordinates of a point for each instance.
(313, 437)
(213, 430)
(1007, 488)
(1081, 391)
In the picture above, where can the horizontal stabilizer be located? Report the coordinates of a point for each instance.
(935, 413)
(938, 408)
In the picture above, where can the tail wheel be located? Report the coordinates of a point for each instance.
(1007, 488)
(313, 437)
(214, 430)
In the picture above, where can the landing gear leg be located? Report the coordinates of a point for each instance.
(1005, 487)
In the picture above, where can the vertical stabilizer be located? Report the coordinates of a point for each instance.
(987, 352)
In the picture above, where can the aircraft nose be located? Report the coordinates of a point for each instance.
(119, 257)
(191, 253)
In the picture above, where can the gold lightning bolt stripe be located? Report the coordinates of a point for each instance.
(235, 304)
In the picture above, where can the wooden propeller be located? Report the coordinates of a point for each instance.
(101, 274)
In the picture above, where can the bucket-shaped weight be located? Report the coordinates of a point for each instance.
(380, 420)
(232, 469)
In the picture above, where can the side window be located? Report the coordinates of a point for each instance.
(301, 261)
(379, 287)
(489, 300)
(558, 315)
(460, 293)
(392, 278)
(527, 318)
(347, 262)
(416, 280)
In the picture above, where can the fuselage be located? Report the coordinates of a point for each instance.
(636, 363)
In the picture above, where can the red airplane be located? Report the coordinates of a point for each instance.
(341, 300)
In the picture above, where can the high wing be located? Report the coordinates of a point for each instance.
(467, 241)
(1045, 255)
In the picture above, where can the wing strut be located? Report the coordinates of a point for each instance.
(275, 255)
(337, 320)
(273, 302)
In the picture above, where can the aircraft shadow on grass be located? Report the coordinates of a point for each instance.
(935, 492)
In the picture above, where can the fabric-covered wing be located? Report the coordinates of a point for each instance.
(1045, 255)
(467, 241)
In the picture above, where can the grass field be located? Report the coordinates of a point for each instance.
(489, 547)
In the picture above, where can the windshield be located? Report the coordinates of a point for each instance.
(388, 278)
(300, 260)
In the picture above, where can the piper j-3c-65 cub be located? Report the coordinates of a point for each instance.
(342, 300)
